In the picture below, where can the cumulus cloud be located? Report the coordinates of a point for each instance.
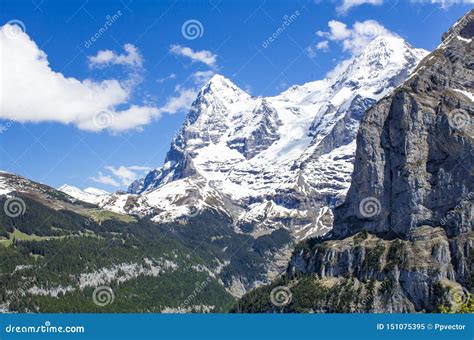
(201, 77)
(203, 56)
(127, 174)
(168, 77)
(320, 46)
(337, 31)
(31, 91)
(121, 175)
(354, 39)
(311, 51)
(131, 57)
(323, 45)
(444, 4)
(181, 101)
(105, 179)
(118, 121)
(346, 5)
(339, 68)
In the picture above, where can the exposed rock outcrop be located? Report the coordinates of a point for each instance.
(408, 216)
(403, 239)
(415, 153)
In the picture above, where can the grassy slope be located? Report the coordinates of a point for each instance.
(53, 247)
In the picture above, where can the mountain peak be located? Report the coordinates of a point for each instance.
(385, 43)
(66, 188)
(219, 79)
(383, 60)
(390, 48)
(219, 82)
(222, 87)
(421, 116)
(89, 195)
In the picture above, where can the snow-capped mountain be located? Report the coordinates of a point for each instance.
(89, 195)
(273, 162)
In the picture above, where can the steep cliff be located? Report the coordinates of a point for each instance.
(414, 160)
(402, 241)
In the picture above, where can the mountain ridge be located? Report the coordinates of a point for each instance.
(402, 241)
(259, 157)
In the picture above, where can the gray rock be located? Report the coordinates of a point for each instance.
(403, 238)
(415, 157)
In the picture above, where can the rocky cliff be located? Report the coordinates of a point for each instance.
(403, 240)
(414, 160)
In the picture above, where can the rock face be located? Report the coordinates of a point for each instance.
(415, 158)
(402, 241)
(276, 162)
(405, 275)
(364, 273)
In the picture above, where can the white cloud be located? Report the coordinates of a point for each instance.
(133, 117)
(168, 77)
(121, 175)
(311, 51)
(337, 31)
(180, 102)
(339, 68)
(323, 45)
(30, 91)
(139, 168)
(355, 39)
(346, 5)
(105, 179)
(201, 77)
(203, 56)
(107, 57)
(126, 174)
(444, 4)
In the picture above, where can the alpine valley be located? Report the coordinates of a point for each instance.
(261, 193)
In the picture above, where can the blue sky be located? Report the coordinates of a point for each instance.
(121, 98)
